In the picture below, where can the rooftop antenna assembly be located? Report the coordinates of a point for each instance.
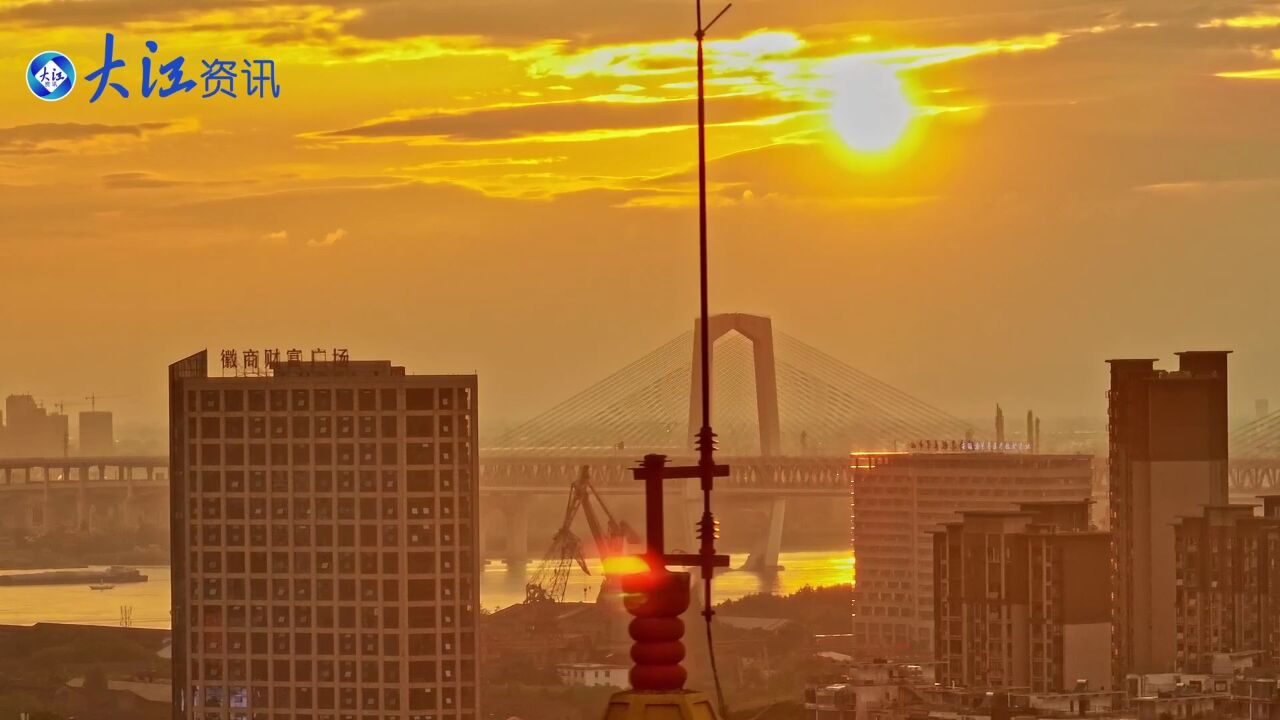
(657, 597)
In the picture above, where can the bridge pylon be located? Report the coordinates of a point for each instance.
(759, 330)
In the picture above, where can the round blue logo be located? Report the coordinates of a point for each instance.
(50, 75)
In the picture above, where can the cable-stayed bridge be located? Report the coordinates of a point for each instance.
(772, 395)
(786, 415)
(1255, 456)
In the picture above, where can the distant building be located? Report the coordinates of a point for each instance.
(1255, 697)
(1228, 585)
(589, 674)
(1158, 696)
(1021, 600)
(97, 434)
(867, 689)
(1232, 686)
(944, 703)
(32, 431)
(324, 544)
(1168, 458)
(900, 498)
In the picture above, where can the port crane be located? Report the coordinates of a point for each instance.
(552, 576)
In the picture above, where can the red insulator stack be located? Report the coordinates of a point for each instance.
(657, 599)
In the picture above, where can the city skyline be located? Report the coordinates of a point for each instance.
(472, 159)
(331, 222)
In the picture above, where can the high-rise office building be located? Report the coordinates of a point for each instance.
(1168, 458)
(1018, 600)
(900, 498)
(324, 538)
(1228, 572)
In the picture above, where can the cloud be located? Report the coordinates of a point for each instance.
(1208, 187)
(1243, 22)
(45, 138)
(277, 236)
(761, 78)
(559, 120)
(329, 239)
(486, 162)
(138, 180)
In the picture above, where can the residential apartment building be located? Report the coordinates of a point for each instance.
(32, 431)
(1227, 570)
(1021, 600)
(323, 541)
(1168, 459)
(900, 498)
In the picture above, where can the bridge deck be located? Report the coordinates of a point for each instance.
(551, 475)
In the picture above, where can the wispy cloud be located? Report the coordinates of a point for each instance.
(46, 138)
(1258, 21)
(761, 79)
(1264, 74)
(559, 122)
(329, 239)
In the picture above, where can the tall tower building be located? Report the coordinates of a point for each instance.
(1168, 458)
(323, 542)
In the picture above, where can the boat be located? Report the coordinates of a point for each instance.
(102, 586)
(114, 575)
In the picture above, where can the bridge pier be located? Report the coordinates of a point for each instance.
(517, 532)
(82, 504)
(765, 559)
(41, 495)
(15, 517)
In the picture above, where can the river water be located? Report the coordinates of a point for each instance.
(148, 603)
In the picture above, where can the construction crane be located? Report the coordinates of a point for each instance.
(552, 576)
(93, 399)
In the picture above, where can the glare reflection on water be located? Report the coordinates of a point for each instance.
(149, 601)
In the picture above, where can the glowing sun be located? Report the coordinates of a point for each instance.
(870, 110)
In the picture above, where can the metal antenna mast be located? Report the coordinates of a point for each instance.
(708, 527)
(706, 436)
(657, 598)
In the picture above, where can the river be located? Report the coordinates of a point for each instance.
(148, 603)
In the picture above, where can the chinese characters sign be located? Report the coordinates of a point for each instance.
(251, 363)
(51, 75)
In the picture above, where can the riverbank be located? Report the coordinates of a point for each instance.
(47, 560)
(64, 550)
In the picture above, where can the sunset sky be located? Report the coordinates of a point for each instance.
(974, 200)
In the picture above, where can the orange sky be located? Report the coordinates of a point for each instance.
(505, 186)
